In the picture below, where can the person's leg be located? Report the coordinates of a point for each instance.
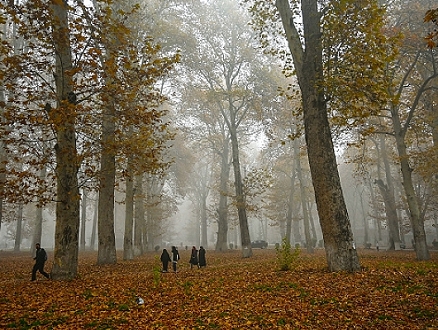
(41, 270)
(34, 270)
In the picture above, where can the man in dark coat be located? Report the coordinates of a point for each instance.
(40, 260)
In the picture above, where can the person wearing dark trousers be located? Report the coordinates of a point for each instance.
(40, 260)
(175, 258)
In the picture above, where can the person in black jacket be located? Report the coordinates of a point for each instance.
(165, 259)
(175, 257)
(202, 261)
(40, 260)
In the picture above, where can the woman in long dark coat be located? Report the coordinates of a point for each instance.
(194, 258)
(202, 261)
(165, 259)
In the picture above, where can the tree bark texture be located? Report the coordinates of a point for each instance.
(340, 248)
(67, 164)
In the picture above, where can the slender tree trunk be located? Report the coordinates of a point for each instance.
(128, 252)
(222, 234)
(83, 218)
(38, 229)
(417, 221)
(290, 204)
(138, 215)
(94, 228)
(65, 258)
(335, 224)
(19, 230)
(309, 243)
(240, 196)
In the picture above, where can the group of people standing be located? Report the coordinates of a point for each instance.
(197, 258)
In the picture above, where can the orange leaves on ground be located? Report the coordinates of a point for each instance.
(392, 291)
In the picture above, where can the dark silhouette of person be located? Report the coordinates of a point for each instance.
(165, 259)
(175, 258)
(202, 261)
(194, 258)
(40, 260)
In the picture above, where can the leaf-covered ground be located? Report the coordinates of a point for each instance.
(393, 291)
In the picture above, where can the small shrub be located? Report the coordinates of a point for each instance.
(156, 272)
(285, 256)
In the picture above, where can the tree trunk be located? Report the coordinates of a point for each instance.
(19, 231)
(65, 258)
(417, 222)
(290, 204)
(335, 224)
(138, 215)
(394, 229)
(240, 196)
(105, 220)
(83, 219)
(128, 252)
(309, 243)
(94, 228)
(222, 222)
(38, 229)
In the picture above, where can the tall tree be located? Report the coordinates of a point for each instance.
(307, 54)
(63, 117)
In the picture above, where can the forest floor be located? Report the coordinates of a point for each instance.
(393, 291)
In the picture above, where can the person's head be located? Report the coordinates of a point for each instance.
(164, 250)
(37, 246)
(194, 248)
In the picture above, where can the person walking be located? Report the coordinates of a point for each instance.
(175, 258)
(194, 258)
(165, 259)
(202, 261)
(40, 260)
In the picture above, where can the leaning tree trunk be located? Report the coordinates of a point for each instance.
(65, 264)
(417, 222)
(340, 248)
(240, 196)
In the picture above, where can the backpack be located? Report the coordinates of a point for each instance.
(45, 254)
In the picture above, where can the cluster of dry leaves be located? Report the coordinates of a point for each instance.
(392, 292)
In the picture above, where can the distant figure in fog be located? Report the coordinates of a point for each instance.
(202, 262)
(175, 258)
(40, 260)
(194, 258)
(165, 259)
